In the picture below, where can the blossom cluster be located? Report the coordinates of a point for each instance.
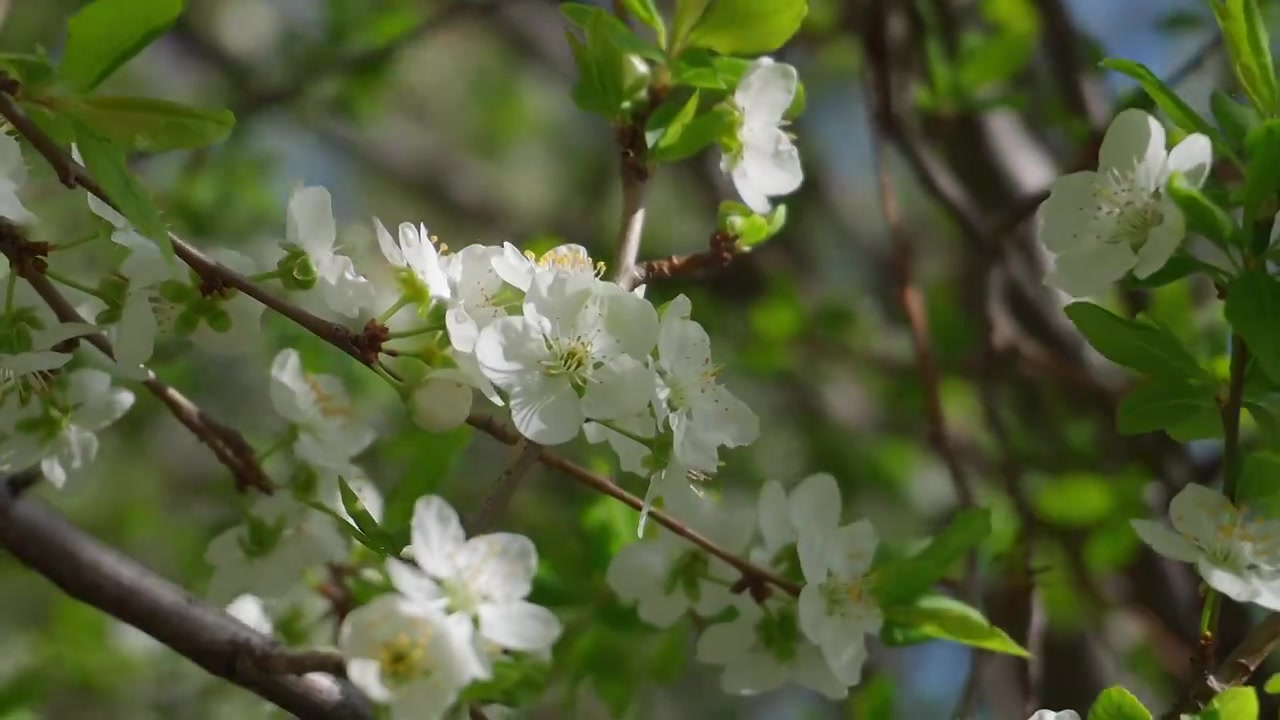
(817, 640)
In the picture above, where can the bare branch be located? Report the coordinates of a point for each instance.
(106, 579)
(499, 497)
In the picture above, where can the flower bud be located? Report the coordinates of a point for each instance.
(441, 403)
(297, 271)
(635, 77)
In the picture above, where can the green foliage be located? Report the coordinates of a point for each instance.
(1258, 486)
(676, 131)
(744, 27)
(1075, 500)
(1163, 404)
(1116, 703)
(750, 229)
(1262, 172)
(646, 12)
(613, 76)
(106, 33)
(1245, 33)
(1203, 215)
(518, 681)
(147, 124)
(1239, 703)
(435, 456)
(938, 617)
(1135, 345)
(33, 70)
(903, 580)
(1253, 301)
(1235, 119)
(105, 161)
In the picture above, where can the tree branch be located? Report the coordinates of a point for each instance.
(499, 497)
(102, 577)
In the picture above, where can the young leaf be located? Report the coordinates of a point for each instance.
(363, 519)
(747, 27)
(646, 12)
(1235, 119)
(1262, 172)
(942, 618)
(1253, 301)
(687, 14)
(105, 161)
(700, 132)
(104, 34)
(1116, 703)
(1273, 685)
(1178, 111)
(1178, 267)
(1139, 346)
(1161, 404)
(147, 124)
(1245, 33)
(1203, 215)
(1238, 703)
(903, 580)
(669, 120)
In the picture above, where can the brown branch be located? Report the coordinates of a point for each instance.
(723, 248)
(104, 578)
(1243, 662)
(499, 497)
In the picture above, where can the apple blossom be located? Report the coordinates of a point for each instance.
(519, 268)
(13, 174)
(310, 227)
(764, 162)
(1106, 223)
(837, 611)
(421, 269)
(320, 410)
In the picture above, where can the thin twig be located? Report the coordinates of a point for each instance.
(635, 177)
(723, 248)
(495, 503)
(1243, 662)
(104, 578)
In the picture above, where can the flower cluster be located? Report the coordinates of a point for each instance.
(817, 640)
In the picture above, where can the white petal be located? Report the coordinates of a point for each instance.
(390, 249)
(845, 656)
(1195, 512)
(766, 91)
(513, 267)
(366, 674)
(309, 222)
(811, 612)
(499, 566)
(752, 673)
(136, 331)
(1091, 270)
(722, 643)
(436, 535)
(851, 550)
(1066, 215)
(10, 206)
(815, 502)
(1192, 157)
(510, 348)
(621, 388)
(662, 610)
(770, 163)
(1165, 541)
(412, 582)
(1134, 139)
(519, 625)
(774, 517)
(637, 570)
(547, 410)
(810, 669)
(1162, 242)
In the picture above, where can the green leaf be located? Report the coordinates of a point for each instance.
(1238, 703)
(670, 119)
(104, 34)
(435, 457)
(687, 14)
(1253, 301)
(697, 134)
(609, 72)
(1167, 100)
(33, 70)
(747, 27)
(1272, 687)
(1262, 171)
(646, 12)
(903, 580)
(1116, 703)
(1178, 267)
(1076, 500)
(1160, 404)
(147, 124)
(943, 618)
(1249, 48)
(1259, 483)
(1203, 215)
(1235, 119)
(1139, 346)
(371, 535)
(105, 161)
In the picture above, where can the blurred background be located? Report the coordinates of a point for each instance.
(458, 115)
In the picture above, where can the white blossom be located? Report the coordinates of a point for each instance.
(765, 162)
(318, 406)
(667, 576)
(701, 413)
(572, 355)
(26, 351)
(1236, 555)
(252, 611)
(13, 174)
(760, 651)
(813, 507)
(476, 297)
(518, 268)
(59, 431)
(485, 579)
(268, 553)
(1103, 224)
(415, 254)
(837, 610)
(310, 226)
(409, 656)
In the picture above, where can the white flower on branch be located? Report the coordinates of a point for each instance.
(666, 576)
(421, 273)
(519, 268)
(13, 175)
(837, 610)
(26, 349)
(812, 507)
(761, 650)
(1237, 555)
(409, 656)
(310, 227)
(318, 406)
(58, 429)
(268, 553)
(476, 295)
(571, 356)
(485, 579)
(1103, 224)
(701, 413)
(763, 162)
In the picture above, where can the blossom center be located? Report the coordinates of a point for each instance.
(403, 659)
(328, 405)
(1129, 207)
(571, 358)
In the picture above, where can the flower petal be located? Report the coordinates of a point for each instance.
(1165, 541)
(436, 536)
(499, 566)
(519, 625)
